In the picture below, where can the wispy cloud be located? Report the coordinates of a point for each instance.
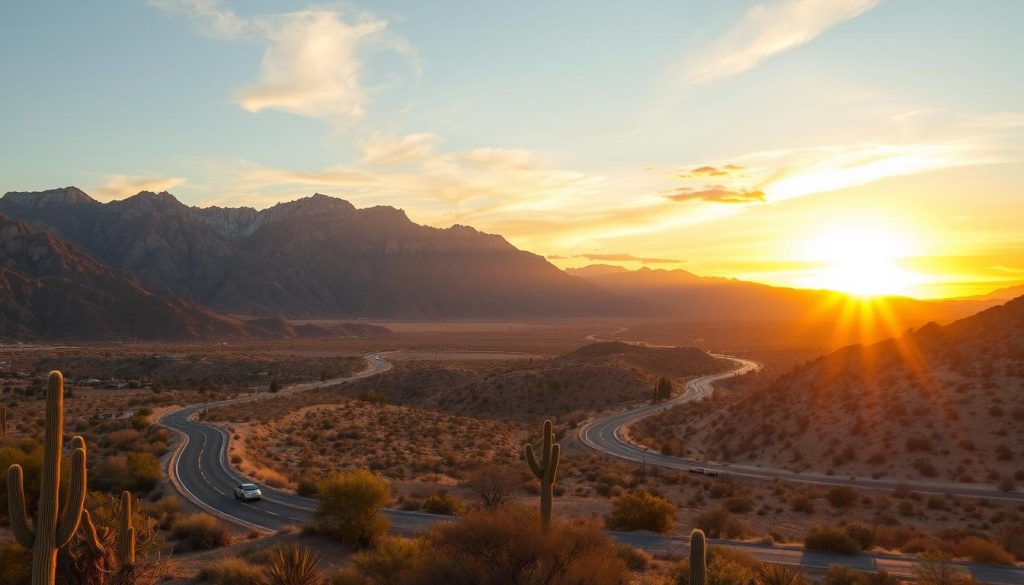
(384, 149)
(121, 186)
(770, 28)
(313, 61)
(717, 194)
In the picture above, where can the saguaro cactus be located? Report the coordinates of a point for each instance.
(698, 558)
(50, 531)
(125, 536)
(545, 471)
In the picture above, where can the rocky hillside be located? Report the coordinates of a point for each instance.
(50, 289)
(314, 257)
(940, 402)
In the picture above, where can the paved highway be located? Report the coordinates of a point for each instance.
(606, 435)
(199, 470)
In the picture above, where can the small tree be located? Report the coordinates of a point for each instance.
(642, 510)
(494, 486)
(349, 508)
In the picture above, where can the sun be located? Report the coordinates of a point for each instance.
(859, 259)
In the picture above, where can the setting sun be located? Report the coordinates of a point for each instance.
(860, 260)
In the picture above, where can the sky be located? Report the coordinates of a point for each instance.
(873, 146)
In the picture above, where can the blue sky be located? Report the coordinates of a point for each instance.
(576, 129)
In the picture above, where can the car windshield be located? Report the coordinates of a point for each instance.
(249, 487)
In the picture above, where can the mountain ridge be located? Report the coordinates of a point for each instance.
(317, 256)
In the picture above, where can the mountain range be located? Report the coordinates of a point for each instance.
(689, 297)
(50, 289)
(314, 257)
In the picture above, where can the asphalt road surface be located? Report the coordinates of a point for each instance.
(606, 435)
(199, 469)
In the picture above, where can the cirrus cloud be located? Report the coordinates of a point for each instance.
(770, 28)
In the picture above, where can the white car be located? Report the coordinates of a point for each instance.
(248, 491)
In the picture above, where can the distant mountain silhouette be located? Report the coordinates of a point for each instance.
(315, 257)
(688, 296)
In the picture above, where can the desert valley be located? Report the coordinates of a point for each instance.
(406, 293)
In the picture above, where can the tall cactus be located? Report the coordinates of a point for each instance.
(698, 558)
(3, 421)
(50, 531)
(125, 535)
(545, 471)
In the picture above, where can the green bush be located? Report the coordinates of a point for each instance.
(642, 510)
(199, 532)
(349, 507)
(832, 540)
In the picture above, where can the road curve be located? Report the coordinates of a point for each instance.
(199, 470)
(606, 436)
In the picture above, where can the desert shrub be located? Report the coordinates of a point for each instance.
(199, 532)
(349, 507)
(936, 569)
(713, 522)
(27, 453)
(841, 497)
(15, 563)
(726, 566)
(306, 487)
(509, 546)
(831, 540)
(842, 575)
(1011, 537)
(394, 560)
(636, 559)
(864, 535)
(494, 486)
(143, 470)
(777, 574)
(231, 571)
(981, 550)
(442, 503)
(642, 510)
(292, 565)
(738, 505)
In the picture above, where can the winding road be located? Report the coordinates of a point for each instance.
(607, 436)
(200, 471)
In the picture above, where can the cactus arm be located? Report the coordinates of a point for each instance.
(71, 513)
(92, 539)
(549, 437)
(531, 459)
(552, 467)
(16, 507)
(126, 534)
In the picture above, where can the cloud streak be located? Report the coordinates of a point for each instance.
(627, 258)
(770, 28)
(717, 194)
(313, 62)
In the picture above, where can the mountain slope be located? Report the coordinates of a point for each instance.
(940, 401)
(314, 257)
(52, 290)
(692, 297)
